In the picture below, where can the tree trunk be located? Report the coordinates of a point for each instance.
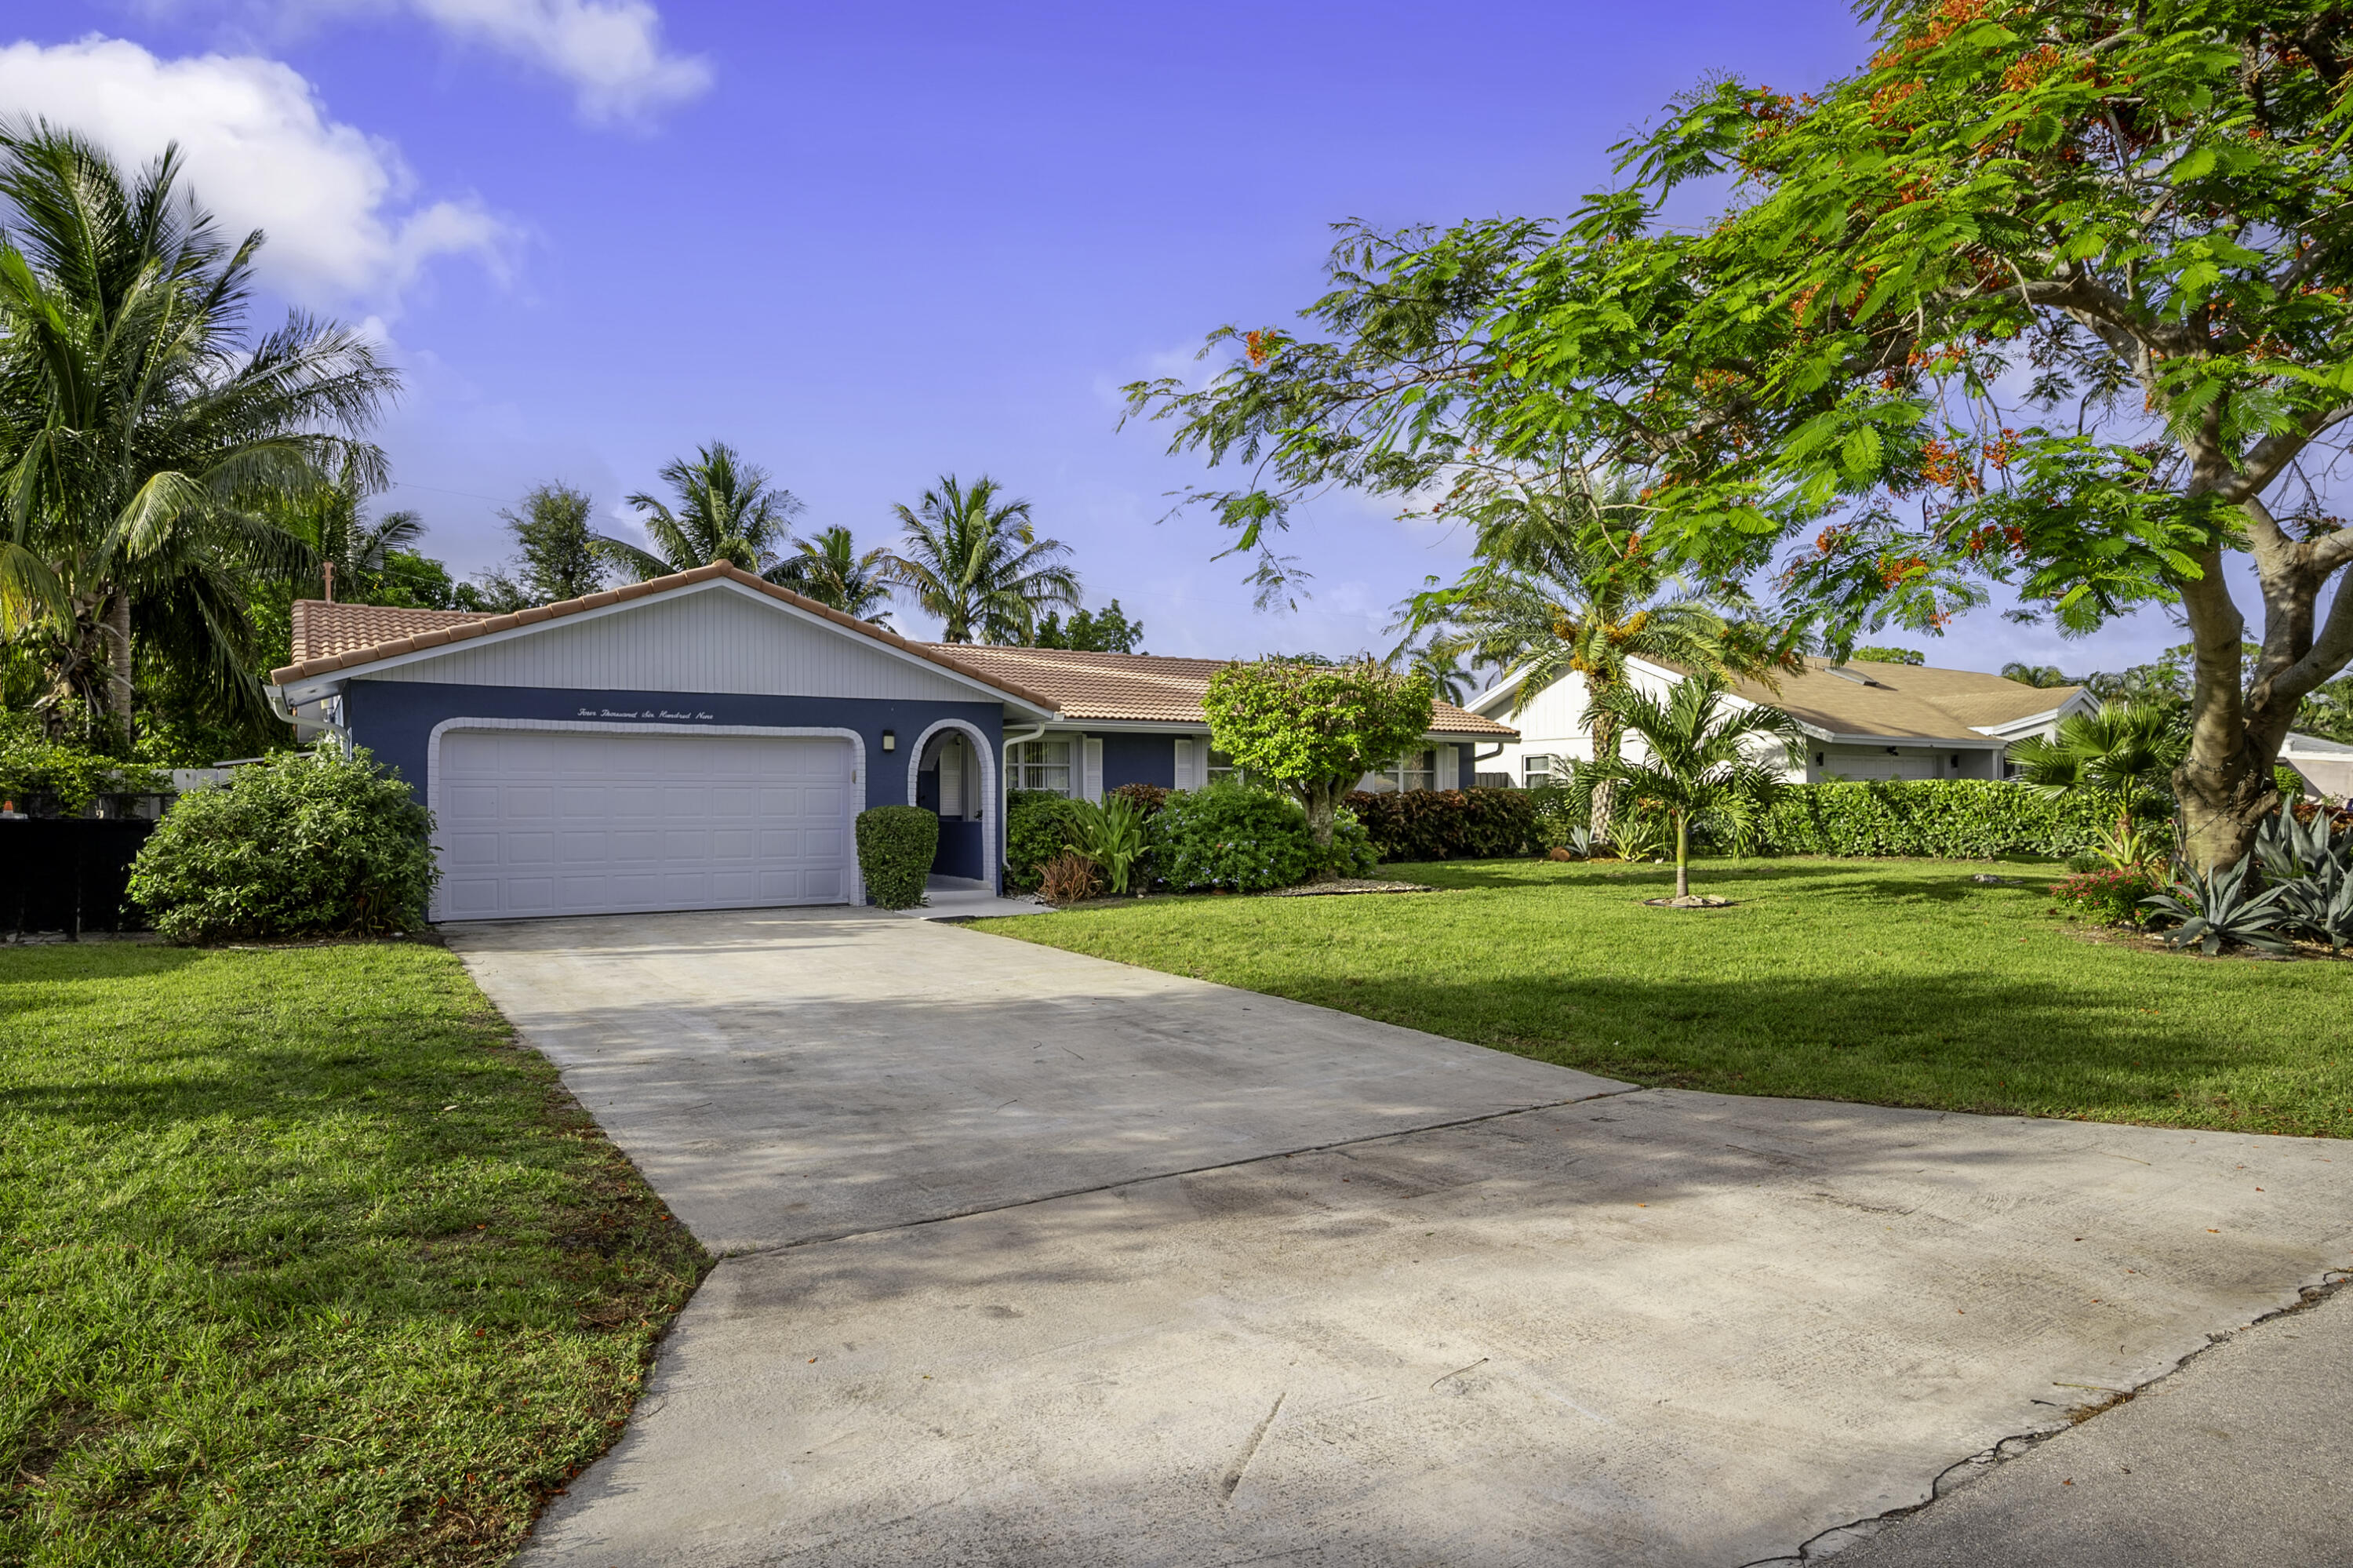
(2224, 782)
(1683, 855)
(1603, 730)
(1321, 799)
(117, 630)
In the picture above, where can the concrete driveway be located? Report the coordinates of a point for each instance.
(1042, 1260)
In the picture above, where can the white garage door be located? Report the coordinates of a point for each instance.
(554, 822)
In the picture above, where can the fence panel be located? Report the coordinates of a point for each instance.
(70, 874)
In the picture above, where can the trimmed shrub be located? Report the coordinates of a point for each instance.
(1232, 836)
(1450, 824)
(1039, 824)
(306, 844)
(1957, 819)
(2108, 896)
(1145, 797)
(895, 847)
(1353, 852)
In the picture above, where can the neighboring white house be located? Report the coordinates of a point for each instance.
(1861, 720)
(2327, 766)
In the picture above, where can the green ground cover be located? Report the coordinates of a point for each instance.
(1893, 982)
(302, 1260)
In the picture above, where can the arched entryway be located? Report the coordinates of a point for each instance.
(952, 771)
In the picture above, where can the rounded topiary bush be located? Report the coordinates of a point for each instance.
(306, 844)
(895, 848)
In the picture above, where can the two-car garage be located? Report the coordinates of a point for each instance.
(536, 820)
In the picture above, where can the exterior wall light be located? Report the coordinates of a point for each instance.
(889, 740)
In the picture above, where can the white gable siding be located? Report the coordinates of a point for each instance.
(718, 640)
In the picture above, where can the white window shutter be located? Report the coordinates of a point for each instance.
(1450, 766)
(951, 778)
(1184, 765)
(1093, 785)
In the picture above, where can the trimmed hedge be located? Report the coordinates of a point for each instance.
(305, 844)
(895, 847)
(1038, 825)
(1449, 824)
(1955, 819)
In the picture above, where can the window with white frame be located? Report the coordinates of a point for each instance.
(1038, 764)
(1541, 768)
(1414, 770)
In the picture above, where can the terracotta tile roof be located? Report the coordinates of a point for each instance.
(1910, 701)
(1146, 686)
(323, 630)
(333, 636)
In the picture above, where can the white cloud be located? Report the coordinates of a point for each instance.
(261, 153)
(610, 51)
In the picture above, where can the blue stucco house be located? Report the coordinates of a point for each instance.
(703, 741)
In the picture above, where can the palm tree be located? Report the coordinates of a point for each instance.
(826, 567)
(1562, 586)
(143, 437)
(727, 511)
(2129, 748)
(344, 540)
(2040, 675)
(973, 559)
(1702, 759)
(1447, 680)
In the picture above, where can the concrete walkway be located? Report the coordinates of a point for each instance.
(1051, 1261)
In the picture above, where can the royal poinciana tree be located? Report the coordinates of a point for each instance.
(2058, 298)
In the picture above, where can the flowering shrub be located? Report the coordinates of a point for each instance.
(1231, 836)
(2110, 896)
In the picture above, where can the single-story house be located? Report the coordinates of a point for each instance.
(704, 740)
(1861, 720)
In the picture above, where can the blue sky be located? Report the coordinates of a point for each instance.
(870, 244)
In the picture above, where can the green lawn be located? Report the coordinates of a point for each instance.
(306, 1262)
(1897, 982)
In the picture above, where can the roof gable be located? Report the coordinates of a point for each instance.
(718, 638)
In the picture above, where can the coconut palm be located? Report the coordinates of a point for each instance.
(2038, 675)
(1706, 758)
(973, 557)
(143, 435)
(1443, 664)
(343, 539)
(828, 567)
(727, 511)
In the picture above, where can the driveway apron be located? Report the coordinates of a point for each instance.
(1044, 1260)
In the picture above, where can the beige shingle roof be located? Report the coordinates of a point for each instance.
(331, 637)
(1146, 686)
(1909, 702)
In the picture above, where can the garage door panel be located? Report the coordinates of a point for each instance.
(541, 822)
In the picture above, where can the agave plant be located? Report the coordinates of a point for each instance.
(2129, 843)
(2320, 906)
(2289, 851)
(2219, 906)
